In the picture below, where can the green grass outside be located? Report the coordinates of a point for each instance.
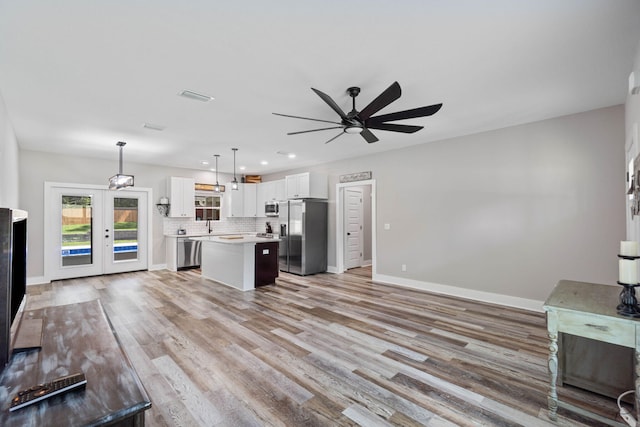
(85, 228)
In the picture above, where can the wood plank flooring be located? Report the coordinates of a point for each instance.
(325, 350)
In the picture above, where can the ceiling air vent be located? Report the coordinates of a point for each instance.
(196, 96)
(153, 126)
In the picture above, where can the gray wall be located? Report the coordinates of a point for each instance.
(509, 212)
(38, 167)
(9, 155)
(632, 123)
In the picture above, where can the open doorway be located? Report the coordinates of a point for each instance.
(355, 226)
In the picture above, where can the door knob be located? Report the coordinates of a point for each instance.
(348, 234)
(106, 237)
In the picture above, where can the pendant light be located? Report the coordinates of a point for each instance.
(234, 183)
(216, 187)
(119, 181)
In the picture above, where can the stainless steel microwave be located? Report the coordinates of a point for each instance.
(271, 208)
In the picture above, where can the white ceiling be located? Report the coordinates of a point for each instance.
(77, 76)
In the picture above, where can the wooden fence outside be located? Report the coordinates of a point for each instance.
(82, 215)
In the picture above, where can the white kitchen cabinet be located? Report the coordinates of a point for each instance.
(182, 194)
(279, 192)
(240, 203)
(267, 192)
(307, 185)
(249, 198)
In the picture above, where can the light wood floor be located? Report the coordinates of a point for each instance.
(324, 350)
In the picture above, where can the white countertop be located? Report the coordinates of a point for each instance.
(235, 239)
(198, 234)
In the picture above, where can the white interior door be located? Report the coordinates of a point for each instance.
(353, 239)
(92, 231)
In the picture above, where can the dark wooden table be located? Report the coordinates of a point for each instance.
(76, 338)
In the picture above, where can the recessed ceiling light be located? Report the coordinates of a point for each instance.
(242, 168)
(195, 96)
(291, 155)
(212, 169)
(204, 163)
(153, 126)
(264, 163)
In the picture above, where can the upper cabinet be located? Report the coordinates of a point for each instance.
(240, 203)
(270, 191)
(181, 197)
(249, 198)
(308, 185)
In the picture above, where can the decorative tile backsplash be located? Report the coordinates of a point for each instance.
(225, 225)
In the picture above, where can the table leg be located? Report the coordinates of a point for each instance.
(553, 373)
(552, 398)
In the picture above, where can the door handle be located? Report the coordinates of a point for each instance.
(348, 234)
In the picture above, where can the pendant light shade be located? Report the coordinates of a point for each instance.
(119, 181)
(216, 187)
(234, 183)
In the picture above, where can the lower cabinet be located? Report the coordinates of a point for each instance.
(266, 263)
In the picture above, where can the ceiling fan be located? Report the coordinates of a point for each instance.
(361, 121)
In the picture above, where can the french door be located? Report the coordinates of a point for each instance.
(93, 231)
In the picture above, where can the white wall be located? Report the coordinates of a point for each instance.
(506, 212)
(9, 155)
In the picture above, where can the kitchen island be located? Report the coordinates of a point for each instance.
(241, 261)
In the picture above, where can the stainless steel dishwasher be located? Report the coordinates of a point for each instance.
(189, 254)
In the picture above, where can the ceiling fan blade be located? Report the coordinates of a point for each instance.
(306, 118)
(368, 136)
(389, 95)
(406, 114)
(326, 98)
(340, 134)
(394, 127)
(313, 130)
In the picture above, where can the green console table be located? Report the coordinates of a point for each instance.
(588, 310)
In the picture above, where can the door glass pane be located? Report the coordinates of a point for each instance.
(77, 230)
(125, 226)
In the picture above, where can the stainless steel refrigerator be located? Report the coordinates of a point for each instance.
(303, 236)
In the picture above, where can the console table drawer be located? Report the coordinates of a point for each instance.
(600, 328)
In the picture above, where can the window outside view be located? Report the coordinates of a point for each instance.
(77, 230)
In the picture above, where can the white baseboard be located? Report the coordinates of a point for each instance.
(367, 263)
(158, 267)
(38, 280)
(332, 269)
(506, 300)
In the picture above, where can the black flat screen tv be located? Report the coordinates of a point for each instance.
(13, 277)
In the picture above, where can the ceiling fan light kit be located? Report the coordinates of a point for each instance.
(362, 121)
